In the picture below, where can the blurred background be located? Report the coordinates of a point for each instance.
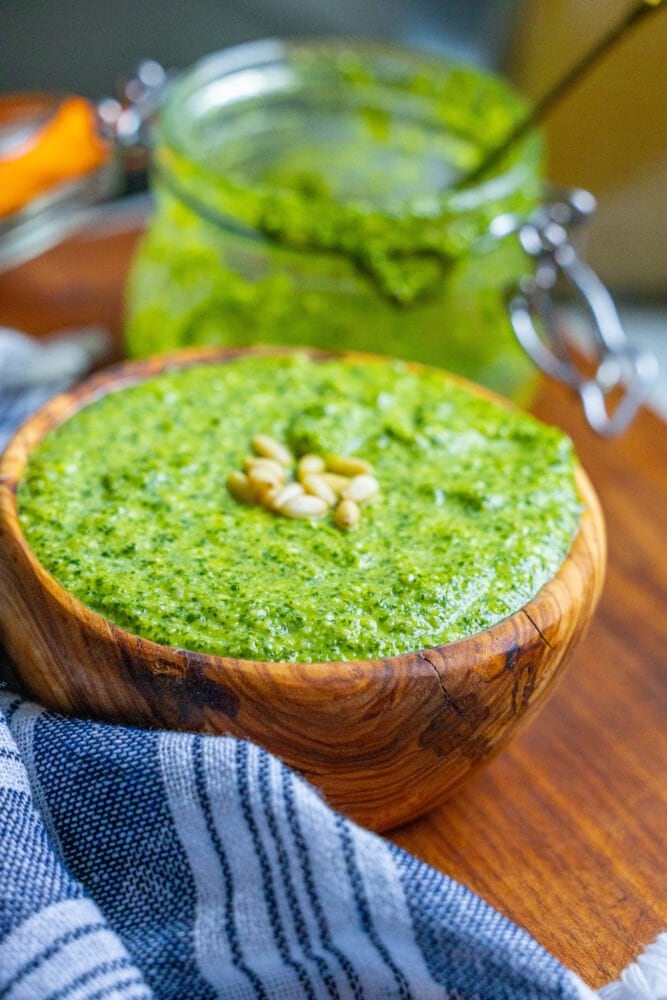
(609, 136)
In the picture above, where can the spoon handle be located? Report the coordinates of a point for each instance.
(564, 84)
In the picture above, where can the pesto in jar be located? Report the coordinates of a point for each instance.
(126, 505)
(310, 194)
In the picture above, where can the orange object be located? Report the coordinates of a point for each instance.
(65, 147)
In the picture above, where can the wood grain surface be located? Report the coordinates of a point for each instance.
(565, 831)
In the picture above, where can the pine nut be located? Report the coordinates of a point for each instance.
(362, 488)
(283, 494)
(304, 506)
(346, 515)
(268, 447)
(261, 477)
(266, 496)
(344, 465)
(337, 483)
(309, 465)
(239, 487)
(264, 463)
(319, 487)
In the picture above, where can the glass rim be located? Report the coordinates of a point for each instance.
(384, 236)
(265, 53)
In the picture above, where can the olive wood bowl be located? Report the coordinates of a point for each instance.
(384, 739)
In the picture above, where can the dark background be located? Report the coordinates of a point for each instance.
(609, 135)
(83, 46)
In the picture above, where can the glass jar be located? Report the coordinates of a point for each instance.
(309, 193)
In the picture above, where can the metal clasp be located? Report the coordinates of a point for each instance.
(616, 363)
(126, 119)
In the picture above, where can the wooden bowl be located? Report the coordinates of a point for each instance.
(385, 740)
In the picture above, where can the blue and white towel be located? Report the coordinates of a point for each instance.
(138, 865)
(31, 371)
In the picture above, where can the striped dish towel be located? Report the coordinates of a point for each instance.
(138, 865)
(31, 371)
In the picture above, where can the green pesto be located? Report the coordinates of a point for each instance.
(334, 218)
(126, 505)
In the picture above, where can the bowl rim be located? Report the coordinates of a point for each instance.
(127, 373)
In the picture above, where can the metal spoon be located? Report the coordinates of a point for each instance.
(541, 109)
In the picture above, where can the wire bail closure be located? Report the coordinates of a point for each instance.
(126, 119)
(617, 364)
